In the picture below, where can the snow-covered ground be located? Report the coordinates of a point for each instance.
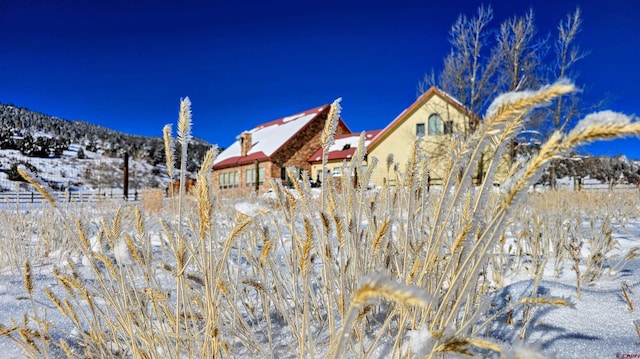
(93, 173)
(598, 325)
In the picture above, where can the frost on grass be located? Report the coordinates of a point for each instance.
(602, 118)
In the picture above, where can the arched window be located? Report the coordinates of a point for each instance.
(435, 124)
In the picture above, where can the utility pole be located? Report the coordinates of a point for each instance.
(125, 171)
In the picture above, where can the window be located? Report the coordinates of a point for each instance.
(419, 129)
(250, 177)
(234, 179)
(222, 180)
(435, 124)
(228, 180)
(448, 127)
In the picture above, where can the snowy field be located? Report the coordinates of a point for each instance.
(599, 324)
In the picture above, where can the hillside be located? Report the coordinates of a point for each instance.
(78, 155)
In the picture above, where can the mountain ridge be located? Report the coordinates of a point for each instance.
(80, 155)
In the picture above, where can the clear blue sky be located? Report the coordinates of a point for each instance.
(126, 64)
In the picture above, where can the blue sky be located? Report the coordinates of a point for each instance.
(125, 65)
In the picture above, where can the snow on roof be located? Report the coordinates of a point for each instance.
(345, 146)
(267, 138)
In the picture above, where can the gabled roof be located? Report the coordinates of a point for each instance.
(344, 146)
(404, 115)
(268, 138)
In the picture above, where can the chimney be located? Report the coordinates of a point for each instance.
(245, 143)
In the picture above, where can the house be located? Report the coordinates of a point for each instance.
(265, 152)
(432, 119)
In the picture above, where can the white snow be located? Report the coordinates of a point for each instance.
(599, 325)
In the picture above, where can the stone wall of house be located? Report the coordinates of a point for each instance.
(241, 189)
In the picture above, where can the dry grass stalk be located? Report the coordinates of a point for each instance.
(574, 247)
(625, 293)
(32, 179)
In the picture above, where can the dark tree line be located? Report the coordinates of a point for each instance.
(18, 127)
(611, 170)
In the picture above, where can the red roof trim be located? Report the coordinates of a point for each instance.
(239, 161)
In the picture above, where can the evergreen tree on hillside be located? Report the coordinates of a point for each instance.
(6, 139)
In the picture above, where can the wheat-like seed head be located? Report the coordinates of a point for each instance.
(464, 232)
(116, 224)
(326, 225)
(306, 252)
(296, 184)
(196, 279)
(82, 234)
(509, 110)
(71, 311)
(64, 281)
(139, 222)
(55, 300)
(242, 222)
(380, 233)
(65, 347)
(86, 296)
(460, 345)
(381, 286)
(107, 263)
(133, 250)
(331, 124)
(255, 284)
(181, 257)
(265, 251)
(594, 132)
(207, 162)
(546, 300)
(28, 279)
(339, 231)
(184, 122)
(32, 179)
(223, 288)
(168, 150)
(414, 271)
(26, 335)
(205, 205)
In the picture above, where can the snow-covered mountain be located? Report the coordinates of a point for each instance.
(78, 155)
